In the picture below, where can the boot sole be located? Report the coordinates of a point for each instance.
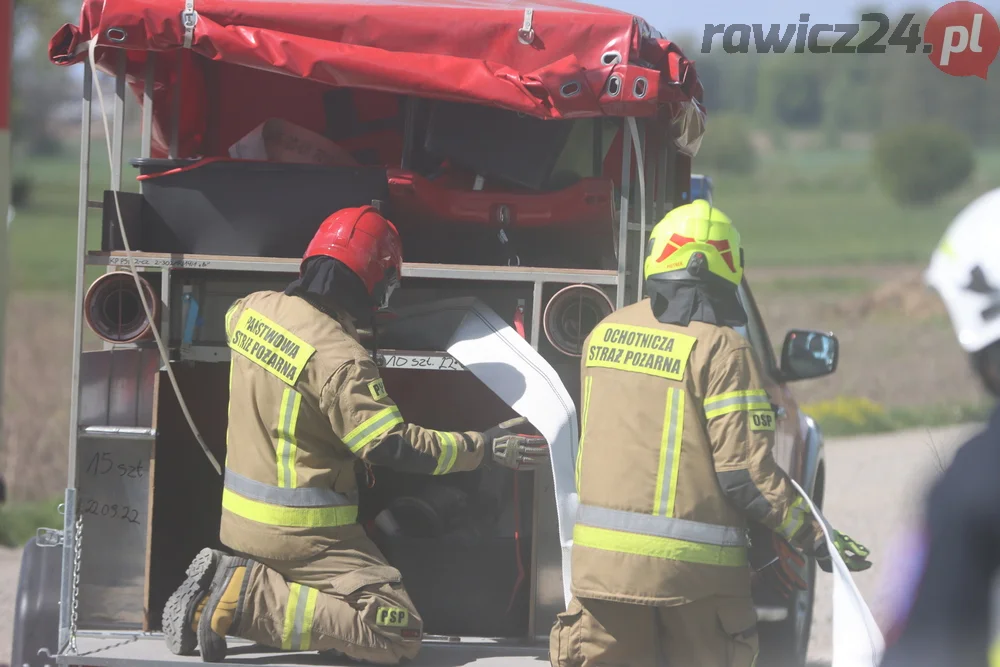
(181, 638)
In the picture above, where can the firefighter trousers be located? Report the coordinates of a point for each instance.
(348, 601)
(712, 632)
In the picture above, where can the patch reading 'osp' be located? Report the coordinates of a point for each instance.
(392, 617)
(761, 420)
(377, 389)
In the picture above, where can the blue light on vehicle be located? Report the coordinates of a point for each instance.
(701, 188)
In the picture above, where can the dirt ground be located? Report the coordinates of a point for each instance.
(35, 407)
(896, 349)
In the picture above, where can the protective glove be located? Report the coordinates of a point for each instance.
(855, 554)
(515, 450)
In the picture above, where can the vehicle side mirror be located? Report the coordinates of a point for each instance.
(808, 354)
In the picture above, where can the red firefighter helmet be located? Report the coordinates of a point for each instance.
(367, 244)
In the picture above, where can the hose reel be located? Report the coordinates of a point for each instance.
(113, 310)
(572, 314)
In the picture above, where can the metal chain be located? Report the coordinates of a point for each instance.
(77, 558)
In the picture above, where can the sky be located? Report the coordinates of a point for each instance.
(691, 16)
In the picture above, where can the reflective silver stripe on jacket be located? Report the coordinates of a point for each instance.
(661, 526)
(296, 497)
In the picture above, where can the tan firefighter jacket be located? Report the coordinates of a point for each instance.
(305, 403)
(675, 453)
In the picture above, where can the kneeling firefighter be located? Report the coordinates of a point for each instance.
(674, 459)
(306, 402)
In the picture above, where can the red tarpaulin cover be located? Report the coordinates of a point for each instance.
(459, 50)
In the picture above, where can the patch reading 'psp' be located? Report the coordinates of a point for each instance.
(377, 389)
(761, 420)
(392, 617)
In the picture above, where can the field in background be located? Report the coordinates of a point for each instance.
(825, 249)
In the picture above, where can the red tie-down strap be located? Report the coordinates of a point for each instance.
(517, 545)
(519, 319)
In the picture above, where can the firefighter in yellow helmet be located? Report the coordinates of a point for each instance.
(674, 459)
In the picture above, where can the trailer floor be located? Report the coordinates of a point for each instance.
(126, 650)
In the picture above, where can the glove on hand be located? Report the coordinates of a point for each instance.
(855, 554)
(515, 450)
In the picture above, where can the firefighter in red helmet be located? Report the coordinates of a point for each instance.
(306, 403)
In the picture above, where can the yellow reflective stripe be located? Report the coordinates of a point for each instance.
(296, 634)
(675, 445)
(583, 427)
(294, 517)
(290, 608)
(229, 411)
(307, 619)
(667, 443)
(748, 393)
(710, 414)
(736, 401)
(288, 416)
(994, 656)
(794, 518)
(372, 428)
(658, 547)
(229, 316)
(449, 452)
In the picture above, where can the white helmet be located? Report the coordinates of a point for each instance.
(965, 272)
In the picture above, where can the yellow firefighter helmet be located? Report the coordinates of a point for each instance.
(695, 241)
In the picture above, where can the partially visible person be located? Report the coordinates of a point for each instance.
(947, 622)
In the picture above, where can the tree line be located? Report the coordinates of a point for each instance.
(845, 92)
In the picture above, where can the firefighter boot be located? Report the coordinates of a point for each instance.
(224, 607)
(180, 615)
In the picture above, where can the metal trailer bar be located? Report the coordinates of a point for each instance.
(124, 650)
(119, 123)
(521, 274)
(641, 162)
(623, 219)
(69, 531)
(149, 82)
(661, 178)
(536, 314)
(175, 113)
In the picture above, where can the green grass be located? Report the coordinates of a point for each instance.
(822, 207)
(19, 521)
(857, 416)
(42, 238)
